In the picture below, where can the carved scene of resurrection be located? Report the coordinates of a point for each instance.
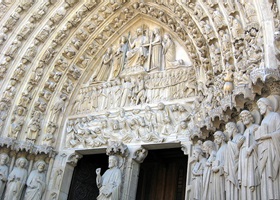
(122, 78)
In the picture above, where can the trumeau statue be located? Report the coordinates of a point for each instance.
(110, 183)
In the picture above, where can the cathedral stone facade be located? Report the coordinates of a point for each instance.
(139, 99)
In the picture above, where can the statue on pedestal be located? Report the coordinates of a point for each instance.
(110, 183)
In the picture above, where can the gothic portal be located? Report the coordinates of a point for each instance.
(129, 84)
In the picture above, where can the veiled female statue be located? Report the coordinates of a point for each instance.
(268, 137)
(106, 64)
(36, 182)
(110, 183)
(168, 51)
(16, 180)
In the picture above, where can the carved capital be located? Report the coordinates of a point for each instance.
(140, 154)
(117, 148)
(73, 159)
(264, 74)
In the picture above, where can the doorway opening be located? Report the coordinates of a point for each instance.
(83, 184)
(163, 175)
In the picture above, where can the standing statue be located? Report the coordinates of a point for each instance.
(138, 53)
(197, 173)
(268, 137)
(156, 52)
(16, 180)
(169, 51)
(231, 160)
(4, 171)
(218, 179)
(106, 64)
(210, 149)
(58, 107)
(110, 183)
(248, 172)
(119, 59)
(36, 182)
(126, 91)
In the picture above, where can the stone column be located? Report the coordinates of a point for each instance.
(137, 156)
(61, 176)
(187, 149)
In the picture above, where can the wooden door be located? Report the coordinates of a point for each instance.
(163, 175)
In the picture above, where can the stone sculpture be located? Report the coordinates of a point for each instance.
(231, 160)
(137, 55)
(218, 179)
(248, 172)
(168, 51)
(119, 59)
(110, 183)
(156, 51)
(16, 180)
(268, 137)
(4, 171)
(106, 65)
(210, 149)
(197, 173)
(36, 182)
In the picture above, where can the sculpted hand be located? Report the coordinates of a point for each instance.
(264, 137)
(98, 170)
(252, 189)
(249, 151)
(215, 169)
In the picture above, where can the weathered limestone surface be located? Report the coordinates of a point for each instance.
(116, 75)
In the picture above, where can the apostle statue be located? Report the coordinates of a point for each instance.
(248, 172)
(4, 170)
(268, 137)
(197, 173)
(36, 182)
(110, 183)
(210, 150)
(16, 180)
(218, 179)
(231, 161)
